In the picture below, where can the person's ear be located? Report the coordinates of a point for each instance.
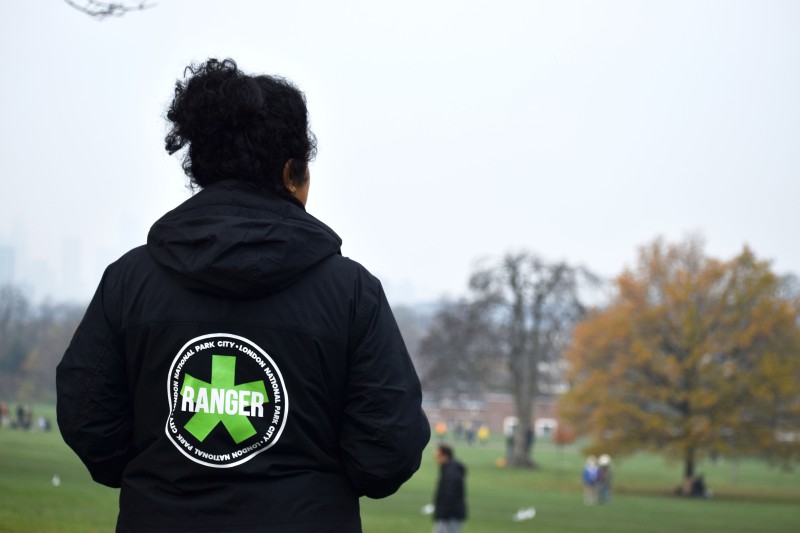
(288, 182)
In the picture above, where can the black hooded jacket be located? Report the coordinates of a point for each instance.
(238, 374)
(450, 498)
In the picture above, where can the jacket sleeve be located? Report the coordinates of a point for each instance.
(384, 430)
(93, 405)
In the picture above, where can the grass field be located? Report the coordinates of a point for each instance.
(748, 497)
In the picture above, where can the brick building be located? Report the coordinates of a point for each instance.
(495, 410)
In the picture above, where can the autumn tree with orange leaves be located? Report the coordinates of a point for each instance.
(693, 356)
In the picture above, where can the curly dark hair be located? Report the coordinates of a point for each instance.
(239, 126)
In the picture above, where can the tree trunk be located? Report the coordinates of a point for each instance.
(523, 439)
(523, 390)
(521, 453)
(688, 466)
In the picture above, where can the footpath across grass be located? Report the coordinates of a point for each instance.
(748, 497)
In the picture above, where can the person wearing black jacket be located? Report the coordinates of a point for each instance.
(450, 506)
(237, 373)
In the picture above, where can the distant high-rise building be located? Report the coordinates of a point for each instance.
(6, 264)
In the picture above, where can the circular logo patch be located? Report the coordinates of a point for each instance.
(227, 399)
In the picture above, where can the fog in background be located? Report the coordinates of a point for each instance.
(448, 131)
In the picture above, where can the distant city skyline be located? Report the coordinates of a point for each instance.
(75, 276)
(71, 275)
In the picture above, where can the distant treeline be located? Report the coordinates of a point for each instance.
(33, 338)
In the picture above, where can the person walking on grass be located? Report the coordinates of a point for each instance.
(450, 506)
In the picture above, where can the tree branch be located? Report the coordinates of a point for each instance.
(101, 10)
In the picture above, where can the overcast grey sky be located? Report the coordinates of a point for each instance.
(448, 130)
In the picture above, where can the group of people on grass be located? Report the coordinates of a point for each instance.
(597, 480)
(466, 431)
(22, 418)
(694, 486)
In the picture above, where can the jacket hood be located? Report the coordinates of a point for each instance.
(233, 240)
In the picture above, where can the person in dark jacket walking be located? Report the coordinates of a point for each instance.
(450, 506)
(238, 373)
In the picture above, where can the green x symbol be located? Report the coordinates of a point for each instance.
(223, 372)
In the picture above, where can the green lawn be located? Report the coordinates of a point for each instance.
(749, 497)
(760, 500)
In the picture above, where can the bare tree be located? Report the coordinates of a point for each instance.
(413, 324)
(14, 317)
(102, 10)
(508, 335)
(457, 355)
(50, 331)
(533, 305)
